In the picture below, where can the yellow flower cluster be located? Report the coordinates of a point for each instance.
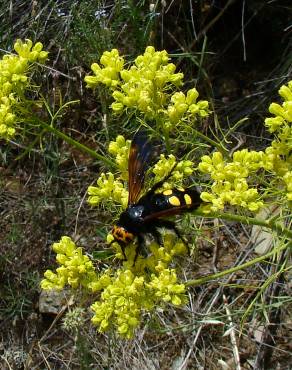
(230, 179)
(230, 184)
(283, 113)
(132, 290)
(75, 269)
(109, 75)
(143, 85)
(126, 293)
(108, 189)
(160, 257)
(14, 80)
(29, 52)
(147, 87)
(120, 150)
(143, 282)
(165, 287)
(165, 164)
(121, 304)
(182, 106)
(280, 150)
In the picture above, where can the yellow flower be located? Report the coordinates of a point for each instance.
(182, 170)
(26, 50)
(165, 287)
(283, 113)
(146, 85)
(230, 179)
(13, 82)
(133, 289)
(186, 107)
(108, 74)
(108, 189)
(75, 268)
(121, 304)
(120, 150)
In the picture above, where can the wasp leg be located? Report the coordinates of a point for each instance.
(169, 225)
(140, 247)
(121, 245)
(123, 251)
(156, 235)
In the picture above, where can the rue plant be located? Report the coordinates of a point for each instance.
(239, 184)
(151, 93)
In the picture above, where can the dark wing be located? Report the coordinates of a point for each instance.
(139, 158)
(167, 213)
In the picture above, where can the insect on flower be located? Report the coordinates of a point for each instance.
(146, 215)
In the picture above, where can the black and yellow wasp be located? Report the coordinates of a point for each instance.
(145, 215)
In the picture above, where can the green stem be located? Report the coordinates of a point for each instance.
(205, 279)
(167, 144)
(219, 146)
(29, 148)
(280, 229)
(248, 221)
(78, 145)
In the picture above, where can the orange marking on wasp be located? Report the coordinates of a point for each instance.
(121, 234)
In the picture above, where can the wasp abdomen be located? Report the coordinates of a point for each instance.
(172, 198)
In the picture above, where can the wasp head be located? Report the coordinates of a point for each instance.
(121, 235)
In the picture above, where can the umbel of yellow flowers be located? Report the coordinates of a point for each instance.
(126, 293)
(14, 79)
(231, 178)
(147, 87)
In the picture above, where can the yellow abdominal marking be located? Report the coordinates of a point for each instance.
(174, 201)
(167, 192)
(188, 199)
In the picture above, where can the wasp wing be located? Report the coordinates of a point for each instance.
(139, 157)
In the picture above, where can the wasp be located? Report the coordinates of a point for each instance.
(146, 214)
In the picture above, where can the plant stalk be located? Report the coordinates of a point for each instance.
(205, 279)
(280, 229)
(78, 145)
